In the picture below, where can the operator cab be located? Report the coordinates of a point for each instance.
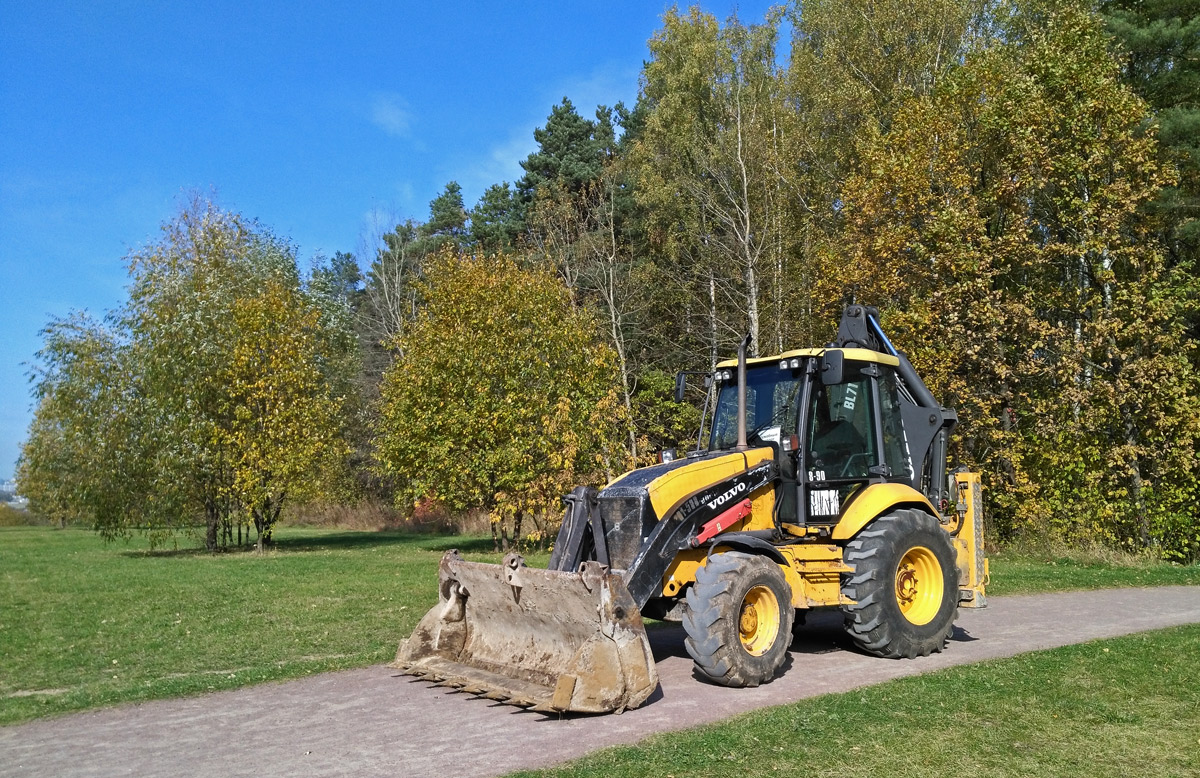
(836, 419)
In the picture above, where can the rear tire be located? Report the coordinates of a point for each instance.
(904, 584)
(738, 619)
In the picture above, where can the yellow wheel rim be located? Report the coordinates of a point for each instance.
(758, 623)
(919, 585)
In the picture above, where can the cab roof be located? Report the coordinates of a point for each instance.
(850, 354)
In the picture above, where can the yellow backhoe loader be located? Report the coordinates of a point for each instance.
(823, 484)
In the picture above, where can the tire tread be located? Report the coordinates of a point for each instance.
(713, 605)
(874, 620)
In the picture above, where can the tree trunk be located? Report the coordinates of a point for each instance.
(746, 236)
(1008, 425)
(752, 303)
(779, 347)
(1136, 485)
(619, 343)
(259, 527)
(212, 517)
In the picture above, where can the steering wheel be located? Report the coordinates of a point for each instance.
(847, 468)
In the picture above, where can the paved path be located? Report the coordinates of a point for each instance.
(372, 722)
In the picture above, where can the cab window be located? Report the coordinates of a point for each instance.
(895, 443)
(841, 433)
(772, 404)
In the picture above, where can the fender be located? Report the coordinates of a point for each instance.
(876, 500)
(744, 541)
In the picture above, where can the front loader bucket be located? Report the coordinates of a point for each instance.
(543, 639)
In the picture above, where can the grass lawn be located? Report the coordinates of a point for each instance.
(1126, 706)
(1029, 572)
(83, 624)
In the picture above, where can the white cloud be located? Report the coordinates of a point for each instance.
(501, 161)
(389, 112)
(606, 85)
(498, 163)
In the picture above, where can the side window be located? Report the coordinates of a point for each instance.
(895, 442)
(841, 432)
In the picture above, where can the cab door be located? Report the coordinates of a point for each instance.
(841, 443)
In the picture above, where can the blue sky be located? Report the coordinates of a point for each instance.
(324, 124)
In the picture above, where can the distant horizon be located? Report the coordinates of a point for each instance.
(326, 127)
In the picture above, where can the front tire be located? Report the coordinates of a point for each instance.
(905, 586)
(738, 619)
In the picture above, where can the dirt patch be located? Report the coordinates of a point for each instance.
(37, 693)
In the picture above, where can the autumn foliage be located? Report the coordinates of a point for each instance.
(501, 397)
(1000, 223)
(207, 399)
(986, 172)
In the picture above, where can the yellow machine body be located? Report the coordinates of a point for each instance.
(733, 540)
(814, 568)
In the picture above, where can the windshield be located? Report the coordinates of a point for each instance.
(772, 404)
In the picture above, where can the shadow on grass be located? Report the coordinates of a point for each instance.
(334, 541)
(465, 544)
(168, 553)
(330, 541)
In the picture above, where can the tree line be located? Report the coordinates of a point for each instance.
(1014, 184)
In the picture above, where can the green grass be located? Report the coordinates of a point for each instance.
(1127, 706)
(84, 625)
(1029, 572)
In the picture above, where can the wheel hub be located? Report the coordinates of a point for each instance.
(758, 620)
(919, 585)
(749, 621)
(907, 584)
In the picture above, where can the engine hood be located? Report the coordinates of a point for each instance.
(668, 485)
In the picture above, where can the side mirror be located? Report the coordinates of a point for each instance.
(832, 367)
(680, 385)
